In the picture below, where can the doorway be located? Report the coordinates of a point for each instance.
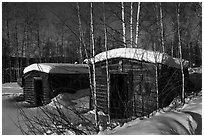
(38, 88)
(118, 95)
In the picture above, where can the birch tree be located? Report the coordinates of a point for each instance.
(80, 32)
(17, 45)
(131, 24)
(7, 8)
(162, 27)
(180, 51)
(8, 43)
(81, 37)
(93, 65)
(156, 76)
(137, 25)
(107, 70)
(123, 24)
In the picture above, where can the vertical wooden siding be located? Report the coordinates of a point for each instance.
(138, 74)
(29, 92)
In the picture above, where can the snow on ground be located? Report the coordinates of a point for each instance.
(185, 120)
(79, 100)
(174, 119)
(11, 88)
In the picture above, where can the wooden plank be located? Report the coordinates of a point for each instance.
(102, 89)
(102, 95)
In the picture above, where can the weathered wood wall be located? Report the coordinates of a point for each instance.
(140, 85)
(29, 92)
(53, 84)
(68, 82)
(140, 79)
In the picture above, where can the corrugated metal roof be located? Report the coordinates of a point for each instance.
(141, 55)
(60, 68)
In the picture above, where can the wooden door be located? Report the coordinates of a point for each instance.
(118, 95)
(38, 88)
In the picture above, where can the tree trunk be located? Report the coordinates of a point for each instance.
(156, 76)
(27, 40)
(162, 27)
(180, 53)
(38, 40)
(23, 49)
(94, 71)
(107, 70)
(131, 24)
(123, 24)
(62, 42)
(172, 48)
(80, 37)
(27, 45)
(16, 41)
(8, 39)
(137, 25)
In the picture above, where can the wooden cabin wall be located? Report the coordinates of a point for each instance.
(28, 89)
(67, 83)
(140, 78)
(53, 84)
(47, 94)
(29, 92)
(101, 88)
(144, 95)
(170, 84)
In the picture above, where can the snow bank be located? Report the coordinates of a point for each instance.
(194, 105)
(165, 123)
(11, 88)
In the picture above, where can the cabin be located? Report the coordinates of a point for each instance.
(140, 81)
(43, 81)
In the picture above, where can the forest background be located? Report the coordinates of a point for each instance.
(61, 32)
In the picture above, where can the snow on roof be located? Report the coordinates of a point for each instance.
(140, 54)
(60, 68)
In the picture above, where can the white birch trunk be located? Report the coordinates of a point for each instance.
(80, 33)
(172, 48)
(156, 77)
(80, 37)
(131, 24)
(123, 24)
(94, 70)
(17, 46)
(137, 25)
(180, 52)
(162, 27)
(107, 70)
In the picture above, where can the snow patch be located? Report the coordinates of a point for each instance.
(169, 121)
(99, 113)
